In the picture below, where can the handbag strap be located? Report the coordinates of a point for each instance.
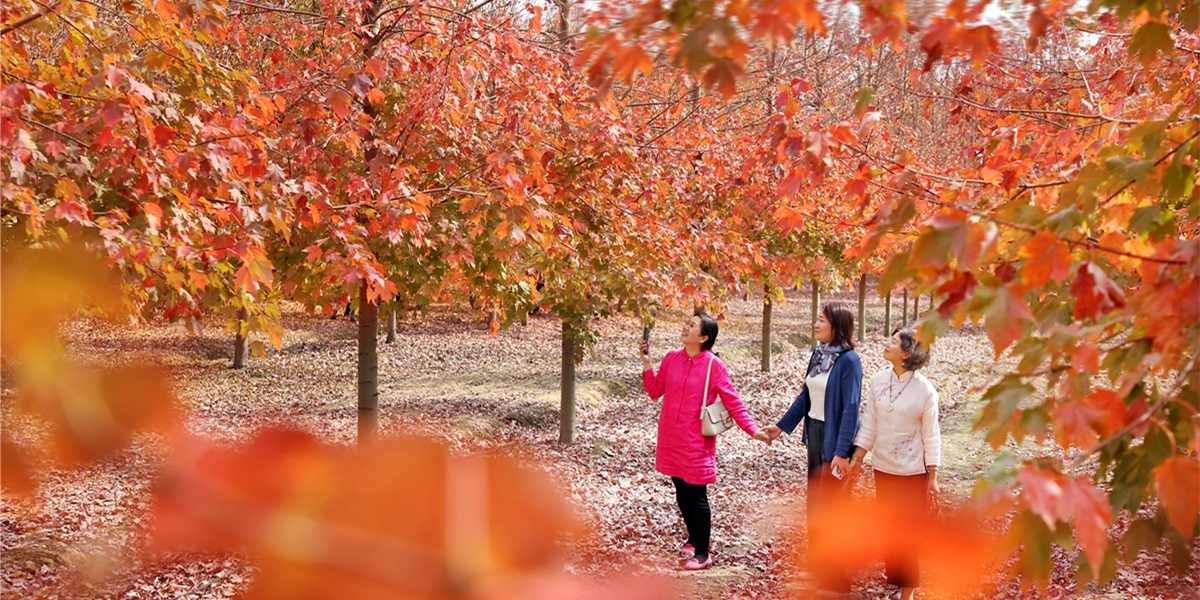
(707, 378)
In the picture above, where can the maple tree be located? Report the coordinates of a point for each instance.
(128, 134)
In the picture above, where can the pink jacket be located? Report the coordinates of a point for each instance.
(682, 450)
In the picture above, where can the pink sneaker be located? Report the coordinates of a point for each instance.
(695, 565)
(687, 550)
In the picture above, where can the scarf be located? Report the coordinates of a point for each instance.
(822, 358)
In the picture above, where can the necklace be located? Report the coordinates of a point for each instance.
(891, 398)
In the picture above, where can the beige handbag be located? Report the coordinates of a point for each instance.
(714, 418)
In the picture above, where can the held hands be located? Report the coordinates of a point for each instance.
(772, 431)
(841, 464)
(762, 436)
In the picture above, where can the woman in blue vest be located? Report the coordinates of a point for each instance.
(828, 405)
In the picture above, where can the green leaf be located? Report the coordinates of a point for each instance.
(1158, 446)
(1143, 534)
(683, 13)
(1002, 400)
(1003, 469)
(1181, 555)
(1146, 137)
(1035, 541)
(1035, 420)
(1178, 181)
(1150, 39)
(1108, 568)
(940, 238)
(894, 273)
(1131, 477)
(1189, 15)
(1065, 220)
(863, 99)
(1117, 361)
(1145, 218)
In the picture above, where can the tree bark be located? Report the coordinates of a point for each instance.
(563, 23)
(887, 315)
(904, 309)
(391, 325)
(816, 307)
(368, 367)
(766, 330)
(566, 419)
(239, 341)
(916, 308)
(368, 314)
(862, 308)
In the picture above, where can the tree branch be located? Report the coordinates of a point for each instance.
(278, 9)
(1027, 228)
(1156, 163)
(1162, 401)
(66, 135)
(29, 19)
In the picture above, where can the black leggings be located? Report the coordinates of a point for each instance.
(693, 504)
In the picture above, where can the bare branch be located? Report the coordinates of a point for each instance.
(278, 9)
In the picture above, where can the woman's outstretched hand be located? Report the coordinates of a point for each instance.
(762, 436)
(644, 352)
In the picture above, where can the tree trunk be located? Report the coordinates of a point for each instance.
(391, 326)
(563, 24)
(566, 418)
(887, 315)
(766, 331)
(904, 309)
(368, 314)
(239, 341)
(368, 367)
(862, 308)
(916, 308)
(816, 307)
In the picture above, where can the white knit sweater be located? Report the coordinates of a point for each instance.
(906, 438)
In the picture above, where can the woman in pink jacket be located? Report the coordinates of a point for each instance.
(684, 454)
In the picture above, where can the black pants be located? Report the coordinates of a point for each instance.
(693, 504)
(911, 493)
(823, 490)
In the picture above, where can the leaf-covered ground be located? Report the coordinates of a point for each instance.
(446, 377)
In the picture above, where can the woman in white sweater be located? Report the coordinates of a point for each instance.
(900, 427)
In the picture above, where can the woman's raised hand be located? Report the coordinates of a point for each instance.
(644, 352)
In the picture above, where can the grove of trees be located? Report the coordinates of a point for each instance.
(1031, 167)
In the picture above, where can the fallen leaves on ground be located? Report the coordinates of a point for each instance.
(447, 366)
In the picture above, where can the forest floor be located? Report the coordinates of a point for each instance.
(447, 378)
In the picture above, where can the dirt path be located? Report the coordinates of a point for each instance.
(448, 378)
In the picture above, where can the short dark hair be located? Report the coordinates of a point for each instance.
(842, 319)
(708, 327)
(917, 355)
